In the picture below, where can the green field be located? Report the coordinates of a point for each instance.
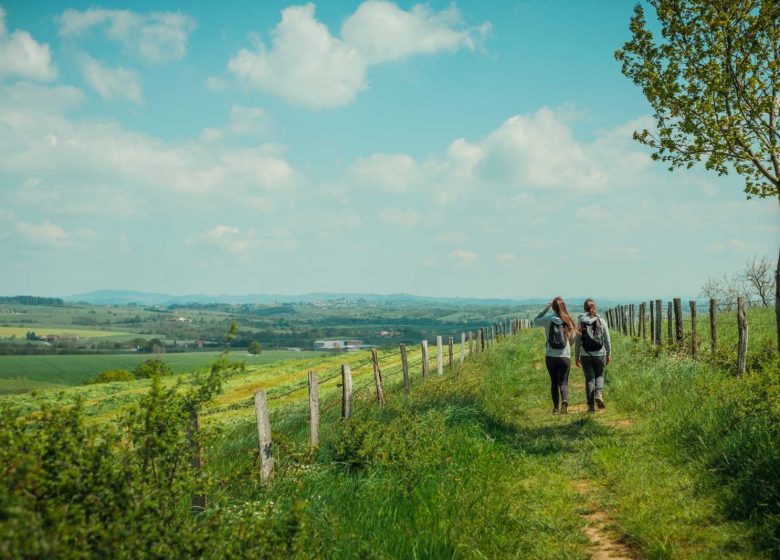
(25, 373)
(683, 463)
(19, 332)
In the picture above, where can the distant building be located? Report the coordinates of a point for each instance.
(339, 344)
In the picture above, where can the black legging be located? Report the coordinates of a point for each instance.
(558, 369)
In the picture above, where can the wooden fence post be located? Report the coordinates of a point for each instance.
(642, 321)
(199, 501)
(462, 346)
(471, 342)
(669, 330)
(658, 322)
(743, 337)
(652, 323)
(713, 326)
(694, 342)
(405, 369)
(264, 437)
(439, 357)
(678, 322)
(380, 393)
(346, 391)
(482, 339)
(451, 356)
(314, 409)
(424, 346)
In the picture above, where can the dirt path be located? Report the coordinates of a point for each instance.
(605, 545)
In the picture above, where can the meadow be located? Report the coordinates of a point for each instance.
(683, 463)
(24, 373)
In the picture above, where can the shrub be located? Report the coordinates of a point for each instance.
(152, 368)
(111, 375)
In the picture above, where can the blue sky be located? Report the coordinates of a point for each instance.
(457, 149)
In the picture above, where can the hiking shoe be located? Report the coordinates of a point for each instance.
(565, 408)
(600, 400)
(555, 411)
(591, 410)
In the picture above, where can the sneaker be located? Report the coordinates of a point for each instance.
(591, 410)
(600, 400)
(555, 411)
(565, 408)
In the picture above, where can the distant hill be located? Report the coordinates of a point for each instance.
(125, 297)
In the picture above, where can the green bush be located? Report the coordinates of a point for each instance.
(111, 375)
(152, 368)
(75, 489)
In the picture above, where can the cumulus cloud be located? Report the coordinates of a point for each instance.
(152, 36)
(49, 234)
(536, 151)
(381, 31)
(112, 83)
(38, 139)
(309, 66)
(21, 56)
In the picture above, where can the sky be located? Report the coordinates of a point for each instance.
(473, 149)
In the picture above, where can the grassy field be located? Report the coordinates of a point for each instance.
(683, 463)
(24, 373)
(19, 332)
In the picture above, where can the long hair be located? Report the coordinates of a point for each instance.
(590, 307)
(559, 308)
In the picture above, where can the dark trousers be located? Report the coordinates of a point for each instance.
(593, 366)
(558, 369)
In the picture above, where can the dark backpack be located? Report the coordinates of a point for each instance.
(556, 338)
(592, 335)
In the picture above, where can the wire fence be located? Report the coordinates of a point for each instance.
(731, 332)
(391, 369)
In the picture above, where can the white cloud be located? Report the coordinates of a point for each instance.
(734, 245)
(49, 234)
(112, 83)
(244, 244)
(307, 65)
(382, 31)
(21, 56)
(152, 36)
(248, 120)
(396, 173)
(536, 151)
(39, 140)
(398, 217)
(464, 258)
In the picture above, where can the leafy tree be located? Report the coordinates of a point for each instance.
(712, 79)
(255, 348)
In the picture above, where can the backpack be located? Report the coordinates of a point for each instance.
(592, 335)
(556, 338)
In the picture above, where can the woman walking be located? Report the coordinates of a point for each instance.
(559, 329)
(592, 351)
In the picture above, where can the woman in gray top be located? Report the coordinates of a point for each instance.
(592, 351)
(559, 329)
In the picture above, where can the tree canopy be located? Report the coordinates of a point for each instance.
(712, 81)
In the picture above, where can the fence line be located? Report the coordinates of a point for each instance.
(351, 399)
(677, 338)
